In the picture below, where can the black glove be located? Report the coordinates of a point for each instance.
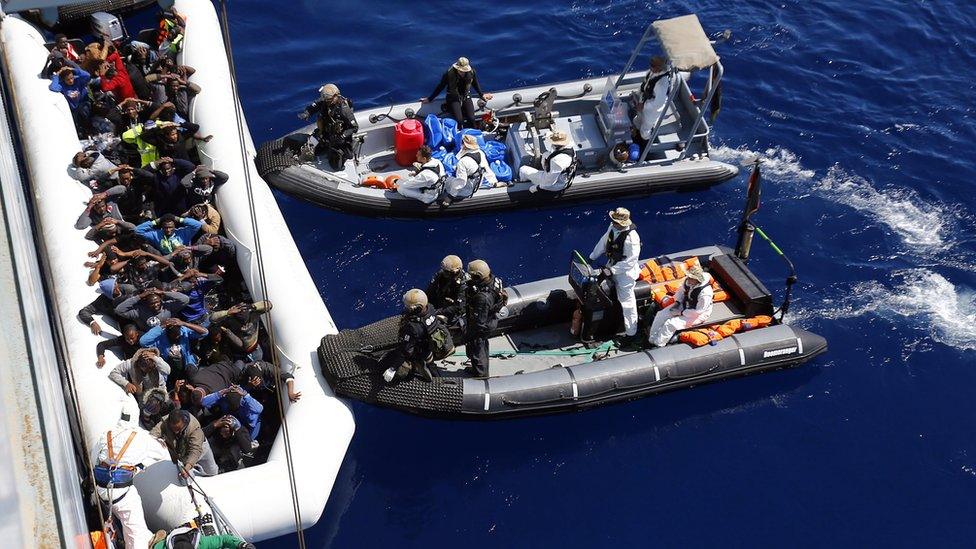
(56, 54)
(606, 272)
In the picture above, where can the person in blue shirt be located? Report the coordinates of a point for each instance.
(237, 402)
(164, 235)
(196, 285)
(72, 82)
(172, 337)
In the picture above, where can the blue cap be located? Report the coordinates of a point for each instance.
(107, 287)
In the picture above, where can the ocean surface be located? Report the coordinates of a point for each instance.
(863, 112)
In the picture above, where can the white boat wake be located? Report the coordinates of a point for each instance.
(927, 230)
(921, 225)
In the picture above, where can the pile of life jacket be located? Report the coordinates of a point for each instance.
(673, 277)
(711, 335)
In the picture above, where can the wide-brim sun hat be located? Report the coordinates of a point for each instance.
(470, 142)
(559, 138)
(462, 64)
(695, 272)
(620, 216)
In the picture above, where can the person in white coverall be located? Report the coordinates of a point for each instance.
(621, 245)
(426, 184)
(654, 94)
(692, 306)
(129, 447)
(552, 176)
(472, 168)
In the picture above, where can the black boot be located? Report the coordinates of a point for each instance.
(629, 343)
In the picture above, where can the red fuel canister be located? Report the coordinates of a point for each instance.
(408, 137)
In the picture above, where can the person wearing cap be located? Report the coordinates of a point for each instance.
(654, 93)
(447, 290)
(558, 167)
(459, 80)
(201, 184)
(109, 296)
(425, 185)
(472, 169)
(415, 346)
(485, 298)
(621, 245)
(335, 125)
(692, 306)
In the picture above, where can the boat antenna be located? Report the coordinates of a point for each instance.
(747, 229)
(753, 200)
(262, 278)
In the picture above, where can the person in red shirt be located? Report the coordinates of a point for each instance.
(115, 78)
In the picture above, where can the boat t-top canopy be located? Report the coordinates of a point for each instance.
(684, 43)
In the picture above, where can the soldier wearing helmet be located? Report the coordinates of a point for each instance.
(335, 125)
(486, 298)
(415, 343)
(447, 289)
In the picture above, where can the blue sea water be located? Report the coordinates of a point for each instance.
(864, 114)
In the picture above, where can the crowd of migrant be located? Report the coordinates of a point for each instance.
(191, 344)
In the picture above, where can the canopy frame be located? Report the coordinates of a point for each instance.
(694, 39)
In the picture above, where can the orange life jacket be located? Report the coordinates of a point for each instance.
(713, 334)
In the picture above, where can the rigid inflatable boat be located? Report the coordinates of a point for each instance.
(596, 113)
(320, 425)
(538, 366)
(553, 349)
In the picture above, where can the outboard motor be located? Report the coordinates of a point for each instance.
(108, 26)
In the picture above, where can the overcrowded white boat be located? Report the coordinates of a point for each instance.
(260, 501)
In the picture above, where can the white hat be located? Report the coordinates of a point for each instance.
(470, 142)
(695, 272)
(620, 216)
(462, 64)
(559, 138)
